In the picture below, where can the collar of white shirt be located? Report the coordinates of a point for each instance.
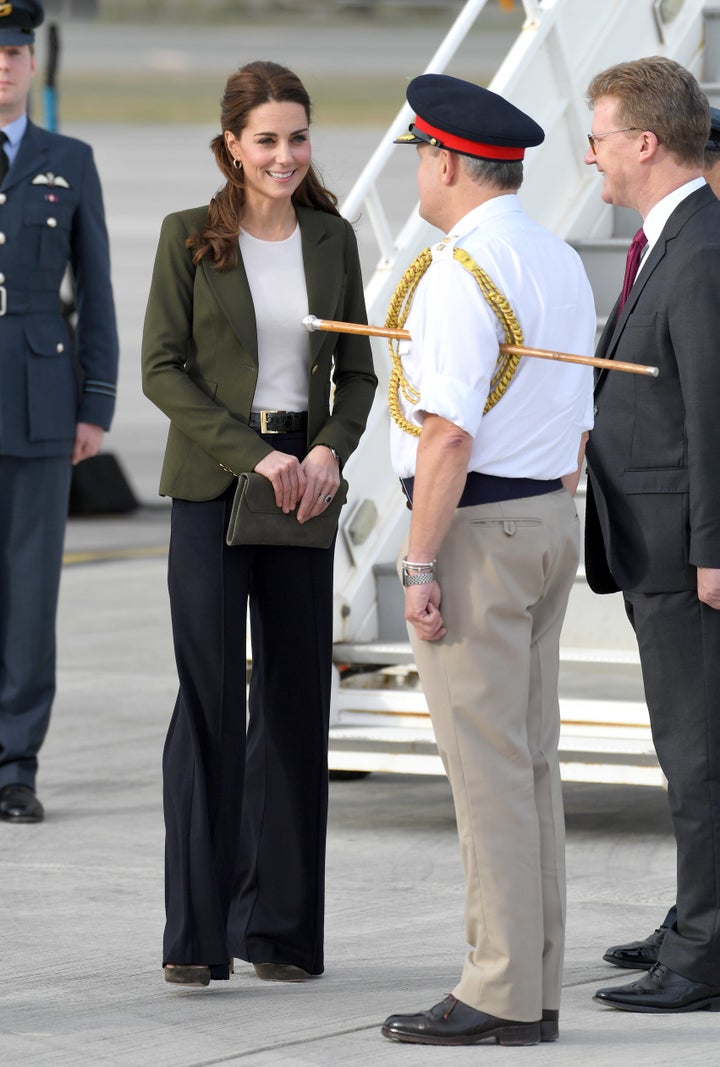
(658, 215)
(491, 209)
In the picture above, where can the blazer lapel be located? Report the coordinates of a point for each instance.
(612, 334)
(232, 292)
(324, 273)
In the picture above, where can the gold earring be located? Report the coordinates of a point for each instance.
(237, 164)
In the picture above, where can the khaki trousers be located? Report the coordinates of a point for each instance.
(505, 571)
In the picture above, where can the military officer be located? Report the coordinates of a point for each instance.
(57, 393)
(490, 459)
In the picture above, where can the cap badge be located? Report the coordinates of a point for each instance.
(5, 9)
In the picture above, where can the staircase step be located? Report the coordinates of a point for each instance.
(399, 653)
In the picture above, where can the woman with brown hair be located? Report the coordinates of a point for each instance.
(226, 358)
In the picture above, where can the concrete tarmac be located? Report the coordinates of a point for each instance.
(81, 906)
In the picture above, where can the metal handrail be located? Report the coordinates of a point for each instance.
(353, 203)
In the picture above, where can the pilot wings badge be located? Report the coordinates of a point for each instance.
(53, 180)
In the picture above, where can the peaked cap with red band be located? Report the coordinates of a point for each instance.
(465, 118)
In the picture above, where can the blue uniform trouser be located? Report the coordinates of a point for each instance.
(33, 512)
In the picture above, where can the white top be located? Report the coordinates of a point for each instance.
(276, 277)
(534, 430)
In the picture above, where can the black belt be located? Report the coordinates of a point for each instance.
(490, 489)
(278, 421)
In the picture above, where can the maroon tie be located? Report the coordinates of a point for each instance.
(631, 266)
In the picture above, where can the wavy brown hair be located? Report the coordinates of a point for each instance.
(249, 87)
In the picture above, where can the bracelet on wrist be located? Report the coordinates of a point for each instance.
(408, 564)
(417, 573)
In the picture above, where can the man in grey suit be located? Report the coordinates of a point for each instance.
(57, 392)
(653, 512)
(642, 954)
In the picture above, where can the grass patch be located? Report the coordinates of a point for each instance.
(195, 98)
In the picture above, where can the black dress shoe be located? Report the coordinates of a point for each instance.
(18, 803)
(661, 990)
(637, 955)
(453, 1023)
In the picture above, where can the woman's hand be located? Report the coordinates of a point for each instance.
(322, 475)
(287, 477)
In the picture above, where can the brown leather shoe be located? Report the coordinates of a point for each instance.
(18, 803)
(453, 1023)
(187, 974)
(280, 972)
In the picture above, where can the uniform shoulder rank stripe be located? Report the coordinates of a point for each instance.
(52, 180)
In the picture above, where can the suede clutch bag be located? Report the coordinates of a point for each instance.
(255, 518)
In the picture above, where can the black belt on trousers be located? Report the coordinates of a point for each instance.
(490, 489)
(278, 421)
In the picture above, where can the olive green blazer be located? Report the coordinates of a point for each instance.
(200, 358)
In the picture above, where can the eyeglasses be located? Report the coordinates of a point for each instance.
(593, 138)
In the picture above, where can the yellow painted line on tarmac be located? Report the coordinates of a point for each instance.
(112, 555)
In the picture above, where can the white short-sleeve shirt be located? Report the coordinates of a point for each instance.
(534, 430)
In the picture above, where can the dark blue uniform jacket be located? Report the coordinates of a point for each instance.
(51, 217)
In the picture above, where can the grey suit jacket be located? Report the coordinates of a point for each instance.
(653, 511)
(200, 358)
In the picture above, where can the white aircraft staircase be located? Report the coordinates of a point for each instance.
(379, 716)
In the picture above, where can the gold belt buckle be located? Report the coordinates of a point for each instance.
(264, 428)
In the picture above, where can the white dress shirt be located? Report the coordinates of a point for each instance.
(534, 430)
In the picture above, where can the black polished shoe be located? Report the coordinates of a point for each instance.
(637, 955)
(18, 803)
(661, 990)
(453, 1023)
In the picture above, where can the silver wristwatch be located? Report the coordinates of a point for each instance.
(422, 578)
